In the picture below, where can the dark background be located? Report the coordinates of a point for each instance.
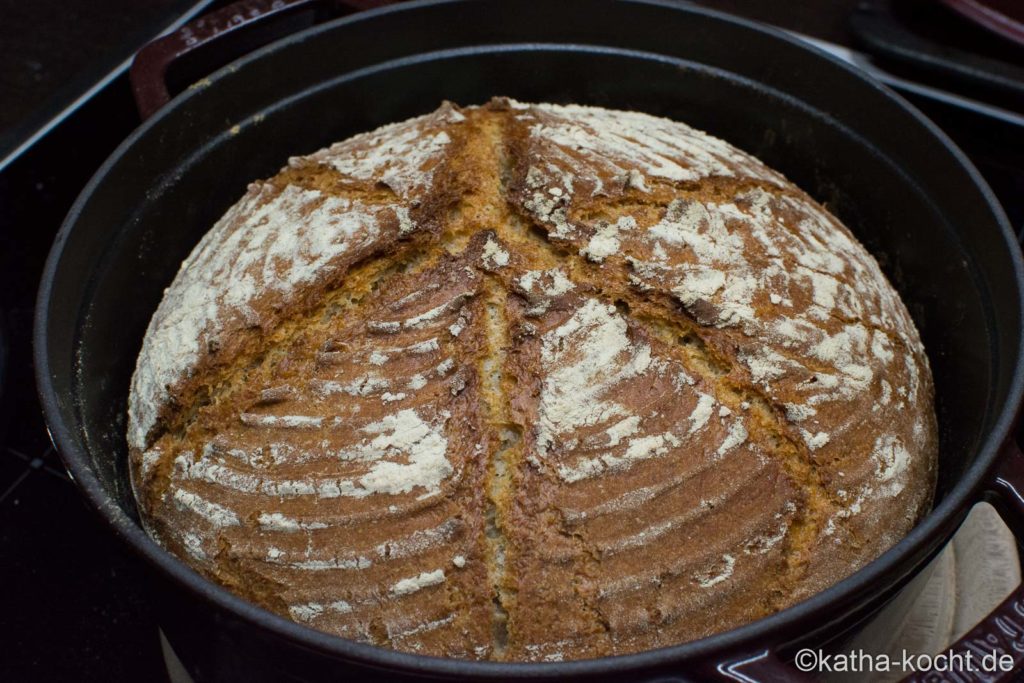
(48, 47)
(73, 607)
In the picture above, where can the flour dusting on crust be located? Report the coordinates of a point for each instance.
(530, 382)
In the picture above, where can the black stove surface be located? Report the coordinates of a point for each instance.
(72, 610)
(75, 607)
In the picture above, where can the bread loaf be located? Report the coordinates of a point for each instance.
(530, 382)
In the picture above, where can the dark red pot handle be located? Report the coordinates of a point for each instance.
(764, 667)
(1001, 633)
(149, 69)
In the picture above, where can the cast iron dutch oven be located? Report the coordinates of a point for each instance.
(893, 177)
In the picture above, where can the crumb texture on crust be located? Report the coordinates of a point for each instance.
(530, 382)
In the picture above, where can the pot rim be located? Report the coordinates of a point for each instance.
(753, 639)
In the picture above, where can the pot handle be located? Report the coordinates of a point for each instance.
(999, 637)
(994, 648)
(234, 30)
(764, 667)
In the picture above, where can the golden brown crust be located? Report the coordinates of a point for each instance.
(530, 383)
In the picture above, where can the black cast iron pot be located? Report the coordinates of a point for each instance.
(899, 183)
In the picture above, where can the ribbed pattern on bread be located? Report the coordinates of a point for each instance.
(530, 382)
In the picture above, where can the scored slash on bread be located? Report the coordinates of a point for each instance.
(530, 382)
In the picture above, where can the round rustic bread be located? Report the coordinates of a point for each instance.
(530, 382)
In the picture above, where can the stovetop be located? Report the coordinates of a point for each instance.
(74, 607)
